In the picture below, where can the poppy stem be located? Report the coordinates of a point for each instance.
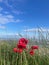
(20, 59)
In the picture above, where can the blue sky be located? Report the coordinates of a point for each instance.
(17, 15)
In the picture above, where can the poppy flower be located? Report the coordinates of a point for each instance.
(20, 51)
(35, 47)
(23, 40)
(15, 50)
(31, 52)
(21, 46)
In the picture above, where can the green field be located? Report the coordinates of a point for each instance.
(8, 57)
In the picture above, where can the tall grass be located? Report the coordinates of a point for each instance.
(41, 56)
(8, 57)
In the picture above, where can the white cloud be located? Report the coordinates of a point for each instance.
(9, 33)
(5, 12)
(7, 19)
(1, 9)
(9, 16)
(18, 1)
(6, 2)
(2, 27)
(1, 0)
(18, 20)
(18, 12)
(0, 14)
(36, 29)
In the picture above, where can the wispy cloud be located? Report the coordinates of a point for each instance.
(36, 29)
(18, 12)
(18, 1)
(11, 6)
(5, 12)
(1, 0)
(22, 1)
(6, 2)
(9, 33)
(8, 18)
(2, 27)
(1, 9)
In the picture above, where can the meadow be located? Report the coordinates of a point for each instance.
(8, 57)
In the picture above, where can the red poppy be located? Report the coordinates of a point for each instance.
(20, 51)
(35, 47)
(23, 40)
(31, 52)
(15, 50)
(21, 46)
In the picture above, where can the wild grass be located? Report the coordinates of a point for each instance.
(41, 56)
(8, 57)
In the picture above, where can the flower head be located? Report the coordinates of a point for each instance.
(31, 52)
(15, 50)
(20, 51)
(35, 47)
(21, 46)
(23, 40)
